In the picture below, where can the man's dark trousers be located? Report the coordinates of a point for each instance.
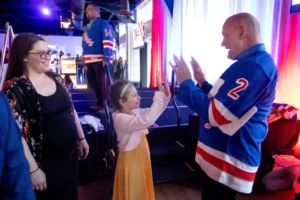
(97, 77)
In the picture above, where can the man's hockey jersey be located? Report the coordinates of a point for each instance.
(233, 118)
(97, 43)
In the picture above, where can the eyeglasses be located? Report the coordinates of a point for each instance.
(43, 54)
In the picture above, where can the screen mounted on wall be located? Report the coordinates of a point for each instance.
(295, 7)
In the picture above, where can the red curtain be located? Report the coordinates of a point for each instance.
(288, 60)
(157, 51)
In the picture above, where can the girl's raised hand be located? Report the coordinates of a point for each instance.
(160, 86)
(166, 87)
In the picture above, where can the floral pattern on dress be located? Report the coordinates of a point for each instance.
(26, 109)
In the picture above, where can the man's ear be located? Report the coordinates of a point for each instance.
(243, 31)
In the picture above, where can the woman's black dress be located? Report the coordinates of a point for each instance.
(59, 154)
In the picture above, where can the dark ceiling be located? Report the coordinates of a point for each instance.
(26, 15)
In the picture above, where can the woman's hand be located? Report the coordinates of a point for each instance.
(83, 149)
(38, 179)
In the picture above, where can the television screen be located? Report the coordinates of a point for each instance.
(295, 7)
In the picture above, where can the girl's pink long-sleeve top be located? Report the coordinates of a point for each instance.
(129, 128)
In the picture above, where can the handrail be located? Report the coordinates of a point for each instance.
(9, 36)
(108, 122)
(111, 146)
(173, 99)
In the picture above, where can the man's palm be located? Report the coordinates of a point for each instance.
(198, 73)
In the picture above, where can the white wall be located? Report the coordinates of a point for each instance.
(68, 44)
(144, 14)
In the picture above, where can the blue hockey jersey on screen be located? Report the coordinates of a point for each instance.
(97, 43)
(233, 118)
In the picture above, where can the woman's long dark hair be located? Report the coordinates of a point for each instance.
(68, 79)
(21, 45)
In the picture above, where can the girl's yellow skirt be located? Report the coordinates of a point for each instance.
(133, 177)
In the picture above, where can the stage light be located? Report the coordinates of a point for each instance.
(46, 11)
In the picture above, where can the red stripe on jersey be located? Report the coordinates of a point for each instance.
(219, 118)
(93, 58)
(225, 166)
(108, 44)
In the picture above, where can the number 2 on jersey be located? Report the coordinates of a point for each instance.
(243, 83)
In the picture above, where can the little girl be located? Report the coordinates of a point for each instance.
(133, 176)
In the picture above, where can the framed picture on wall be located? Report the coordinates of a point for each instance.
(68, 65)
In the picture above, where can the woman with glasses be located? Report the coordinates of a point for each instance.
(52, 135)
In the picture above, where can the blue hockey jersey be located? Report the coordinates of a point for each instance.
(97, 43)
(233, 118)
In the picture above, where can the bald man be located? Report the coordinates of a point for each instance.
(233, 112)
(97, 45)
